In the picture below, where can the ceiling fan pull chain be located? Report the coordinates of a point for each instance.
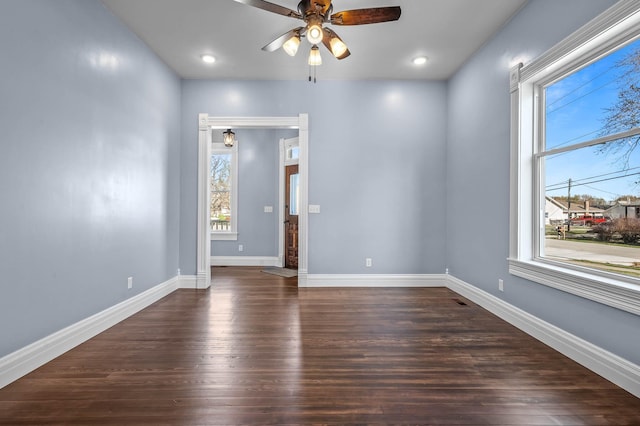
(314, 73)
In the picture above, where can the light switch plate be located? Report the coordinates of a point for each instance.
(314, 208)
(268, 209)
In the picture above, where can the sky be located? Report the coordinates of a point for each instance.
(575, 112)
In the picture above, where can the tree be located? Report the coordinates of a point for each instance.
(630, 198)
(625, 113)
(220, 169)
(580, 199)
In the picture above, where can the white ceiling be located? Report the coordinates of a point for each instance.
(446, 31)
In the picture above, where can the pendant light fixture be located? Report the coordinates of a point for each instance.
(229, 138)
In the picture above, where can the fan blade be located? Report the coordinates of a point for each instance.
(277, 43)
(329, 34)
(271, 7)
(366, 16)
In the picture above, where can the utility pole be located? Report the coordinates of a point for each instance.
(569, 206)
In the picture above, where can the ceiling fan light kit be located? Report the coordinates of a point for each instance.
(315, 13)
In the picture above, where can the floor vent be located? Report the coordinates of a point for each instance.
(460, 302)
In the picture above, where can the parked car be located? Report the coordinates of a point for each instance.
(589, 220)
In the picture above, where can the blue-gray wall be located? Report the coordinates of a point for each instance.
(478, 177)
(376, 167)
(89, 166)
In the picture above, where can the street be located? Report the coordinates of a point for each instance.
(605, 253)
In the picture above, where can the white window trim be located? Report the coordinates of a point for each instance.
(618, 23)
(232, 234)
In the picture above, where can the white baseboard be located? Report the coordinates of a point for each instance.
(23, 361)
(608, 365)
(188, 281)
(373, 280)
(244, 261)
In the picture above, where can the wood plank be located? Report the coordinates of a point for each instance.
(255, 349)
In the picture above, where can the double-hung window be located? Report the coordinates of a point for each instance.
(223, 189)
(575, 162)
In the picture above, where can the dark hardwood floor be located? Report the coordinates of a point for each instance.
(256, 350)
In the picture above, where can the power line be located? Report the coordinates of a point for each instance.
(602, 190)
(595, 181)
(575, 139)
(584, 84)
(598, 176)
(579, 97)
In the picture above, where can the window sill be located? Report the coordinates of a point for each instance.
(224, 236)
(607, 290)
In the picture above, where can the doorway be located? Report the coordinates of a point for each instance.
(205, 126)
(290, 202)
(291, 210)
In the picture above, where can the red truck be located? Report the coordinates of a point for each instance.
(588, 220)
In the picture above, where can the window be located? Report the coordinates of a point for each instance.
(223, 192)
(576, 163)
(292, 151)
(294, 194)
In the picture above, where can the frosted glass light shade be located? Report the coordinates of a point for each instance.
(338, 48)
(314, 56)
(291, 46)
(314, 34)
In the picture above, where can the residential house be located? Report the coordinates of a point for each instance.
(554, 211)
(623, 209)
(578, 210)
(99, 178)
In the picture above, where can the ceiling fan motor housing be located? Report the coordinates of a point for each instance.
(315, 7)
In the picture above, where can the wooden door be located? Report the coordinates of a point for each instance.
(291, 205)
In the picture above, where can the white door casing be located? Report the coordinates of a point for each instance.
(205, 125)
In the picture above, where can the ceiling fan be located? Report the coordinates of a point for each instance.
(315, 13)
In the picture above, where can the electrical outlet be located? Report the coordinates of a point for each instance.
(500, 285)
(240, 247)
(368, 262)
(446, 271)
(130, 282)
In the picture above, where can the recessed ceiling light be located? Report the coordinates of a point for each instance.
(420, 60)
(208, 59)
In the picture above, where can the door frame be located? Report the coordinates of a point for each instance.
(205, 125)
(282, 144)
